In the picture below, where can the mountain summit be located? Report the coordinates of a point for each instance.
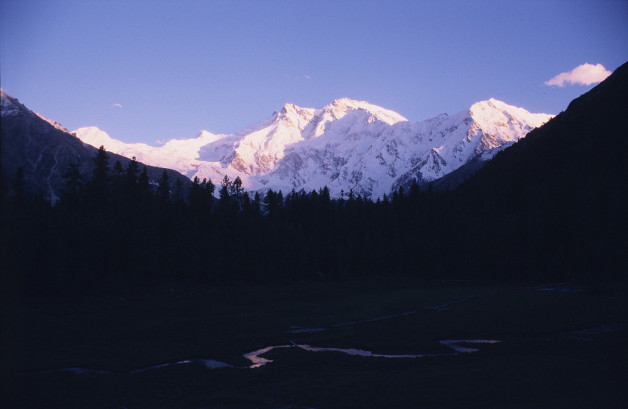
(347, 146)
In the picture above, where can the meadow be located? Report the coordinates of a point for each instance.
(560, 345)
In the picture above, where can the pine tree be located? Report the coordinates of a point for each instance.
(163, 188)
(256, 205)
(195, 196)
(118, 170)
(178, 191)
(143, 181)
(224, 193)
(236, 188)
(246, 203)
(324, 194)
(209, 187)
(73, 185)
(99, 189)
(132, 172)
(118, 183)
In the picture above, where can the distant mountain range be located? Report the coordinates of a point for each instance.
(44, 150)
(551, 207)
(347, 146)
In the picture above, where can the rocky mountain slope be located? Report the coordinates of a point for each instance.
(44, 150)
(347, 146)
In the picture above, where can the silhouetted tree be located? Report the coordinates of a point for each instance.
(224, 194)
(99, 185)
(163, 187)
(143, 180)
(73, 187)
(236, 190)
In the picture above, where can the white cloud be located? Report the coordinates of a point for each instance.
(307, 77)
(585, 74)
(116, 105)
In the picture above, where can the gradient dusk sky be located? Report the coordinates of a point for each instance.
(148, 71)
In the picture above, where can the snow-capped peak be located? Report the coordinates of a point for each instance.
(292, 108)
(341, 107)
(489, 109)
(510, 122)
(293, 115)
(346, 145)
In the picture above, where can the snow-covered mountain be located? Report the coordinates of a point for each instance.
(346, 145)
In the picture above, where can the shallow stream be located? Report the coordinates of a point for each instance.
(257, 360)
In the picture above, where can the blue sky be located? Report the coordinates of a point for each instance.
(145, 71)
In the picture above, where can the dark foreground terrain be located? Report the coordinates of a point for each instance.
(560, 346)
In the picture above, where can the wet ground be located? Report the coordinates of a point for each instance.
(323, 345)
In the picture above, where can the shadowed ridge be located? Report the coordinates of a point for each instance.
(573, 129)
(560, 193)
(592, 127)
(44, 151)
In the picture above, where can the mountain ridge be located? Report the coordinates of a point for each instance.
(346, 145)
(44, 150)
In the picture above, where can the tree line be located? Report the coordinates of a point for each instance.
(115, 231)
